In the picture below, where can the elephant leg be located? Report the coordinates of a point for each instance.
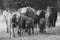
(33, 30)
(7, 27)
(7, 30)
(6, 21)
(29, 31)
(54, 22)
(13, 32)
(40, 28)
(20, 33)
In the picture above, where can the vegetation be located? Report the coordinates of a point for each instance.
(37, 4)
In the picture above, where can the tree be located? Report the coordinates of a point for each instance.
(1, 4)
(9, 4)
(6, 4)
(37, 4)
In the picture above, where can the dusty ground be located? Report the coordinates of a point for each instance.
(53, 34)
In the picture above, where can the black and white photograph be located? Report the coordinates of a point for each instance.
(29, 19)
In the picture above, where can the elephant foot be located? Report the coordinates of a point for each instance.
(7, 31)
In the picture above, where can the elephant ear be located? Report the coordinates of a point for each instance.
(23, 10)
(38, 12)
(30, 11)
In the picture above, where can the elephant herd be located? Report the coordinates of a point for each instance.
(28, 18)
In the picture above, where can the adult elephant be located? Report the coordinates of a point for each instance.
(5, 13)
(51, 17)
(42, 25)
(10, 18)
(29, 12)
(24, 23)
(41, 20)
(29, 24)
